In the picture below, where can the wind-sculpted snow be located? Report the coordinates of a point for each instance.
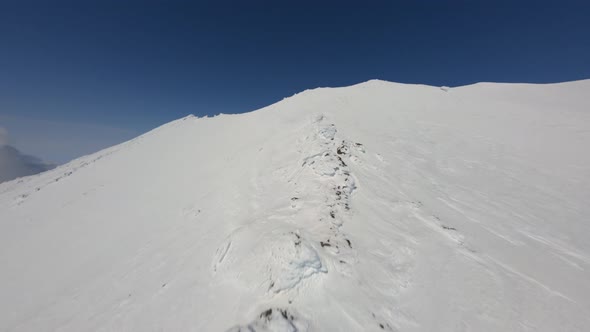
(376, 207)
(281, 260)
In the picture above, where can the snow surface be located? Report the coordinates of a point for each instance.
(375, 207)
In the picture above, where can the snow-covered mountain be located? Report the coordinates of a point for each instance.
(375, 207)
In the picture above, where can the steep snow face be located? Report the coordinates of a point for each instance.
(376, 207)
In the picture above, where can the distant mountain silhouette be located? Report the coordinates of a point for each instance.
(14, 164)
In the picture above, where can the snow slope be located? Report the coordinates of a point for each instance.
(375, 207)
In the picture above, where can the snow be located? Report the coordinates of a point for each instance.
(375, 207)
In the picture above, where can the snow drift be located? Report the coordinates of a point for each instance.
(375, 207)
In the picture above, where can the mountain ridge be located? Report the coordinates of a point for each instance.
(371, 207)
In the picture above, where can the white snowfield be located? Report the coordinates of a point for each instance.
(375, 207)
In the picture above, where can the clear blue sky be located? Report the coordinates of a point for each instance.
(79, 75)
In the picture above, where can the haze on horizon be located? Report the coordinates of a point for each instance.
(77, 77)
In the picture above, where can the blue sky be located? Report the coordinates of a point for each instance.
(77, 76)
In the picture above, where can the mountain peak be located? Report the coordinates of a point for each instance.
(381, 206)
